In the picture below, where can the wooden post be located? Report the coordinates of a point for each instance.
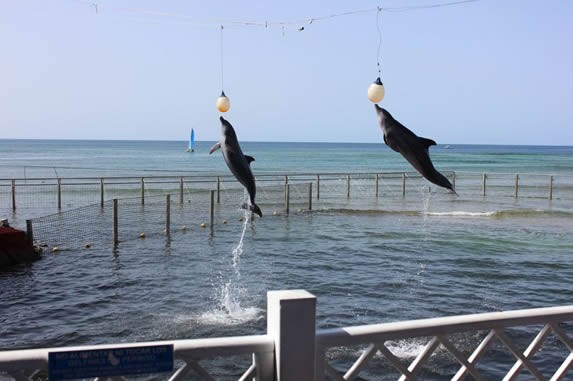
(516, 185)
(376, 186)
(287, 199)
(454, 180)
(218, 190)
(142, 191)
(318, 187)
(13, 194)
(181, 190)
(59, 187)
(286, 186)
(212, 210)
(29, 232)
(347, 187)
(310, 196)
(403, 184)
(167, 213)
(483, 184)
(291, 322)
(115, 223)
(101, 192)
(551, 187)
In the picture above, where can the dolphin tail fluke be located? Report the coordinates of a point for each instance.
(253, 208)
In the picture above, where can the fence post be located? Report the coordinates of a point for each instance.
(115, 219)
(59, 186)
(212, 210)
(286, 186)
(347, 187)
(454, 180)
(287, 199)
(29, 232)
(291, 322)
(101, 192)
(376, 186)
(403, 184)
(218, 190)
(167, 213)
(142, 191)
(310, 196)
(483, 184)
(516, 185)
(181, 190)
(318, 187)
(551, 187)
(13, 194)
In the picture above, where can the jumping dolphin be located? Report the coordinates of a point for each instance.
(414, 148)
(238, 163)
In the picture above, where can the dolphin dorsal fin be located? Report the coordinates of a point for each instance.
(249, 159)
(427, 142)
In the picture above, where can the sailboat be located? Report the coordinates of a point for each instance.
(191, 147)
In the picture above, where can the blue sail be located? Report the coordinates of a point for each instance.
(191, 142)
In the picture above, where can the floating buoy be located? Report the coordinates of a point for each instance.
(203, 225)
(224, 222)
(141, 235)
(376, 91)
(184, 227)
(88, 245)
(223, 103)
(275, 213)
(55, 249)
(241, 219)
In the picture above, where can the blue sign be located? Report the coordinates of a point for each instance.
(110, 362)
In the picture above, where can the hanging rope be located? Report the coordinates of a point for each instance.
(379, 40)
(222, 80)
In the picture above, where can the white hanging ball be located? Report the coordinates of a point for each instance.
(223, 104)
(376, 91)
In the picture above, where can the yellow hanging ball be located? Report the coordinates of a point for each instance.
(376, 91)
(223, 104)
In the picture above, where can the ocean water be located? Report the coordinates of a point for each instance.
(367, 259)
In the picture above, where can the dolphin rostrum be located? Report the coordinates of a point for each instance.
(238, 163)
(414, 148)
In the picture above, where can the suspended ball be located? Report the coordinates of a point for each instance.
(376, 91)
(223, 103)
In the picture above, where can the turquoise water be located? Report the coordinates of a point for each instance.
(367, 259)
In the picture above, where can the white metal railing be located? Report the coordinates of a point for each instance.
(292, 349)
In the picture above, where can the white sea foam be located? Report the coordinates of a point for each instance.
(461, 213)
(225, 317)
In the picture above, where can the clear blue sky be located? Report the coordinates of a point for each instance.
(486, 72)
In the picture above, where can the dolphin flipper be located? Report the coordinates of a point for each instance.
(250, 159)
(215, 147)
(426, 142)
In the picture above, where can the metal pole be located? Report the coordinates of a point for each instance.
(516, 185)
(142, 191)
(376, 186)
(483, 183)
(167, 213)
(347, 187)
(218, 190)
(115, 223)
(403, 184)
(454, 180)
(286, 186)
(181, 190)
(13, 194)
(318, 187)
(59, 186)
(29, 232)
(551, 187)
(101, 192)
(287, 199)
(310, 196)
(212, 210)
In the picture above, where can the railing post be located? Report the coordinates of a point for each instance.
(59, 187)
(181, 190)
(218, 190)
(13, 194)
(551, 187)
(101, 192)
(310, 196)
(142, 191)
(115, 223)
(516, 185)
(403, 185)
(347, 187)
(212, 210)
(376, 186)
(291, 322)
(287, 199)
(483, 183)
(318, 187)
(167, 213)
(29, 232)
